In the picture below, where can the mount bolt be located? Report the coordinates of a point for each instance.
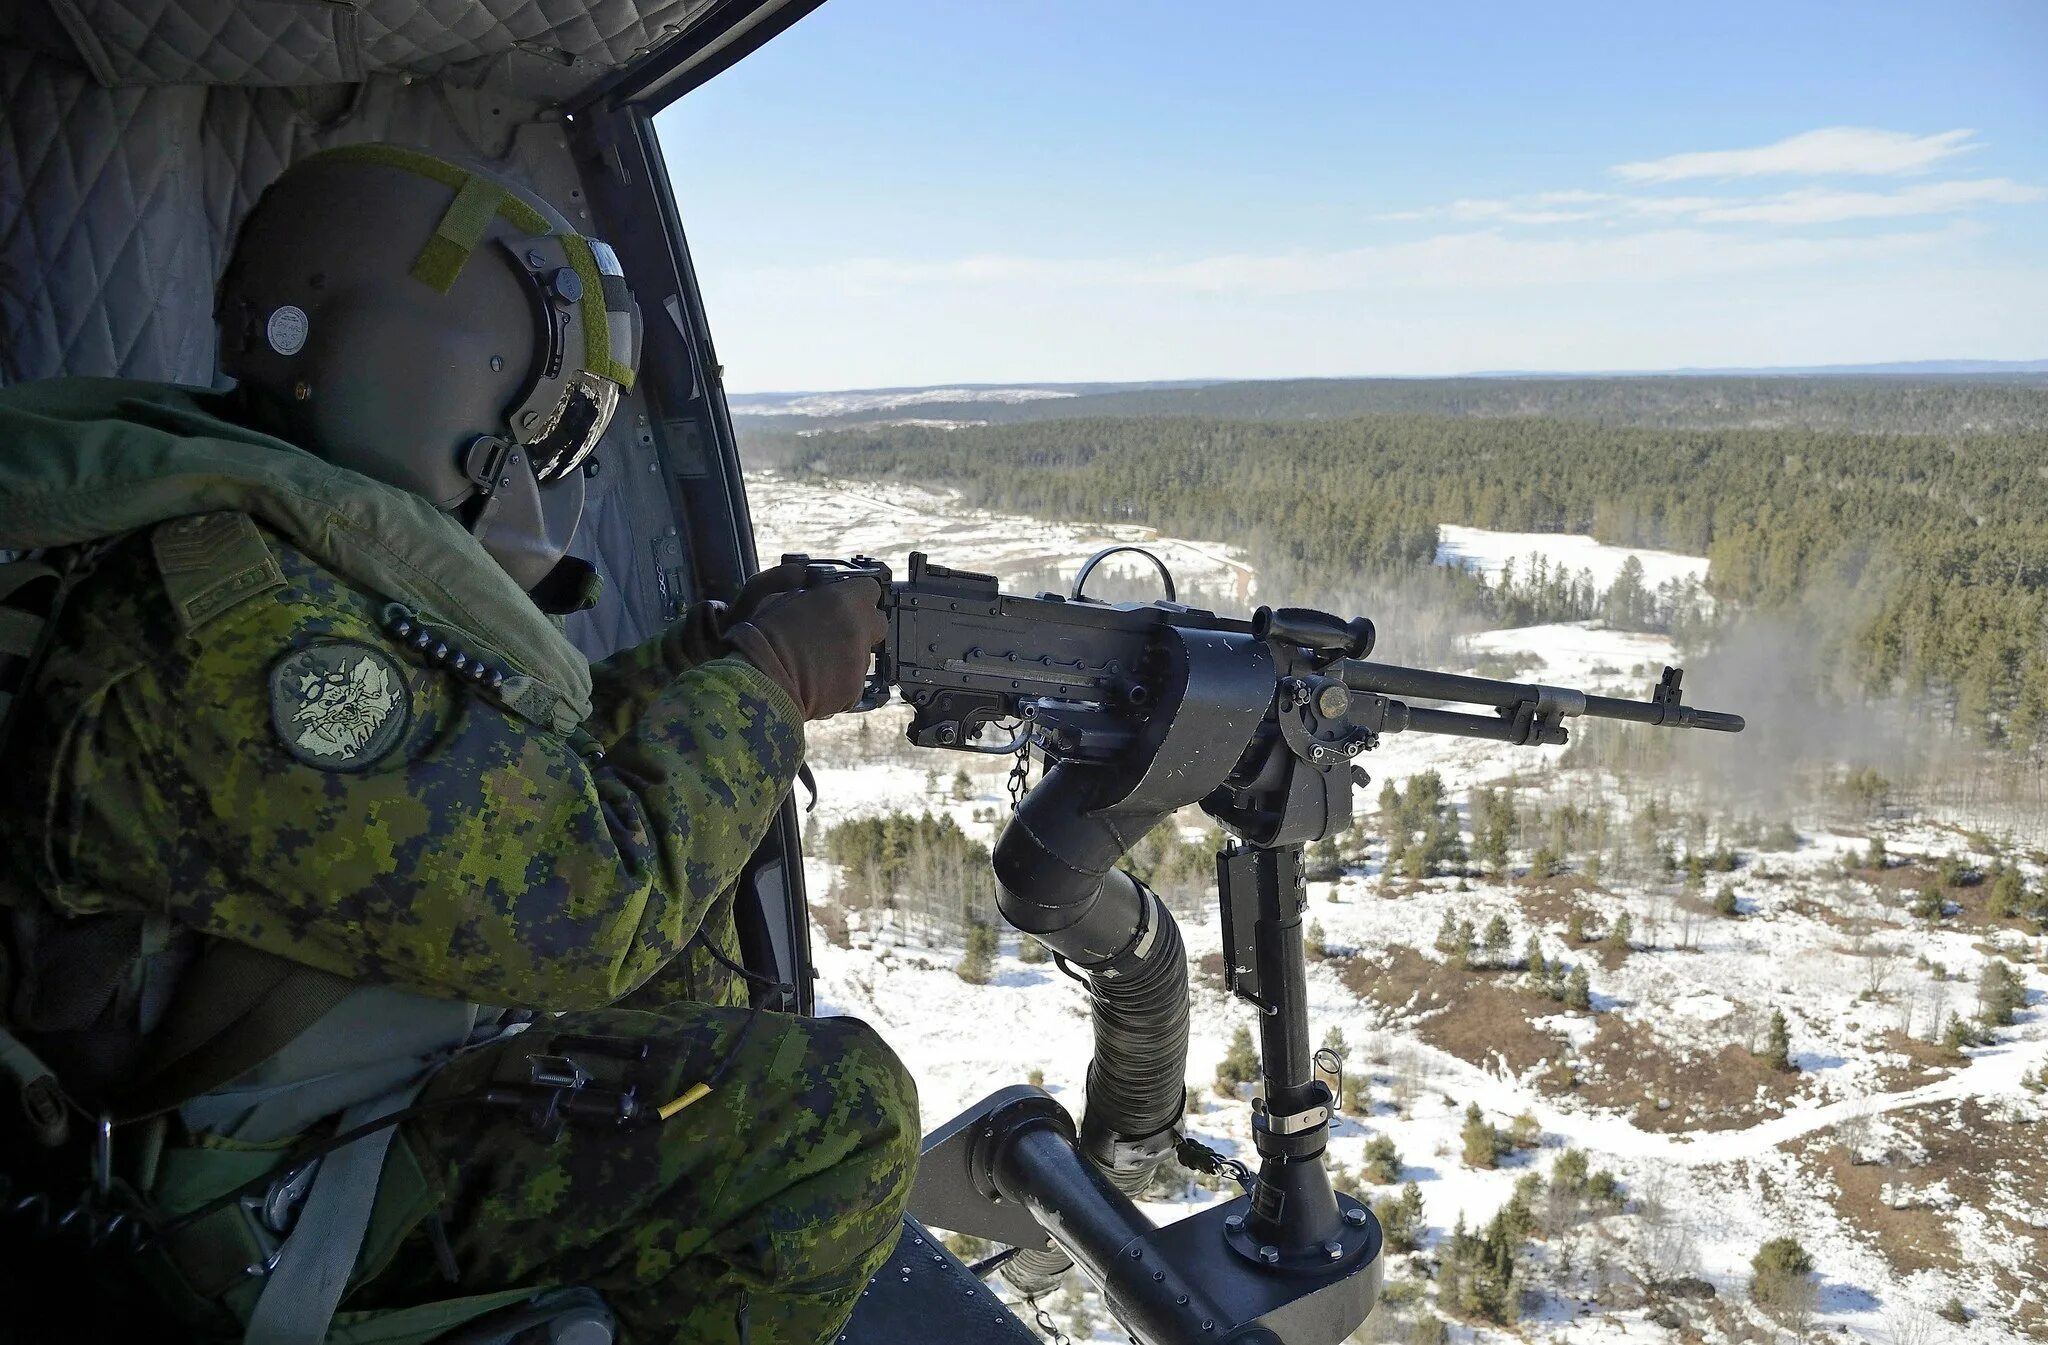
(1234, 1222)
(1355, 1216)
(1270, 1255)
(1335, 1249)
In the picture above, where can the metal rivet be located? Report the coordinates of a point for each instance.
(439, 653)
(460, 661)
(497, 364)
(528, 419)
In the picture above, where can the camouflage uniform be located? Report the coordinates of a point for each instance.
(450, 848)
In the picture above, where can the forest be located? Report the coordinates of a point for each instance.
(1915, 564)
(1866, 403)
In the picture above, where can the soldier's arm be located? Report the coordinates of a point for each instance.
(624, 685)
(477, 855)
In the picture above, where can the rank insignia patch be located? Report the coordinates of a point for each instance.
(338, 705)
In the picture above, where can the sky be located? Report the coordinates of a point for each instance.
(910, 192)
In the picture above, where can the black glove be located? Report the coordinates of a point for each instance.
(815, 641)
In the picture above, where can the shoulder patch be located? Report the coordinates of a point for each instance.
(339, 705)
(210, 562)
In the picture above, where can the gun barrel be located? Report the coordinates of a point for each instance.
(1390, 679)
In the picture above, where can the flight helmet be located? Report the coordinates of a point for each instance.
(429, 324)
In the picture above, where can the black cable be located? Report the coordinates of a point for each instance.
(736, 969)
(307, 1153)
(989, 1265)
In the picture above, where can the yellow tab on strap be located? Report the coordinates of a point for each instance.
(696, 1092)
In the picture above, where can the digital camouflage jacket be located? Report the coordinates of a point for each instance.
(281, 771)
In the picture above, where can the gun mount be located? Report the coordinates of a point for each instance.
(1138, 710)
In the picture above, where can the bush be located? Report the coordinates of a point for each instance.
(1495, 940)
(1483, 1144)
(1525, 1132)
(1532, 958)
(1777, 1051)
(1954, 1311)
(1623, 929)
(1240, 1063)
(1575, 927)
(979, 963)
(1568, 1171)
(1961, 1032)
(2001, 992)
(1779, 1274)
(1401, 1218)
(1578, 990)
(1928, 904)
(1603, 1191)
(2008, 895)
(1724, 900)
(1031, 950)
(1874, 858)
(1315, 943)
(1382, 1161)
(1321, 863)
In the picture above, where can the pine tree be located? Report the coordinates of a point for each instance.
(1619, 933)
(1777, 1052)
(1578, 991)
(1240, 1063)
(979, 963)
(1316, 943)
(1724, 900)
(1382, 1161)
(1447, 941)
(1482, 1143)
(2001, 992)
(1532, 958)
(1495, 940)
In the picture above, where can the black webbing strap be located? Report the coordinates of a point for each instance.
(27, 592)
(236, 1007)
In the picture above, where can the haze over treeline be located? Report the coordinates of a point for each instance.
(1915, 562)
(1870, 403)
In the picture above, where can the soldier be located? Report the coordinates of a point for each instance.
(299, 776)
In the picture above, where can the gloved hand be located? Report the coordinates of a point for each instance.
(815, 641)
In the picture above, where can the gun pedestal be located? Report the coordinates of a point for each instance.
(1295, 1218)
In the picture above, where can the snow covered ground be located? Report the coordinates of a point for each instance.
(1486, 551)
(1853, 1155)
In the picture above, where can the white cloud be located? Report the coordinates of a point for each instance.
(1469, 261)
(1805, 205)
(1816, 205)
(1861, 151)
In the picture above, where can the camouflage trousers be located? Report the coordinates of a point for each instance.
(754, 1216)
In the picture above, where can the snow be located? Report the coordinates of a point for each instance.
(848, 403)
(1702, 1201)
(1487, 551)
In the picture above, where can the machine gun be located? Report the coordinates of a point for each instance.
(1138, 710)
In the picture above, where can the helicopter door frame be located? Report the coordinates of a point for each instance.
(687, 424)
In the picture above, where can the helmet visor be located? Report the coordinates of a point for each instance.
(578, 422)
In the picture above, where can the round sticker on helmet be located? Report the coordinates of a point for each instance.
(286, 329)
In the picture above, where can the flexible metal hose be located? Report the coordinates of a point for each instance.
(1054, 866)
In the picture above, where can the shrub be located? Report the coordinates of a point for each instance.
(1495, 940)
(2008, 894)
(1623, 929)
(979, 962)
(1578, 990)
(1240, 1063)
(1779, 1274)
(1036, 1078)
(1401, 1218)
(1874, 858)
(1603, 1190)
(1382, 1161)
(1483, 1145)
(1961, 1032)
(2001, 992)
(1575, 927)
(1031, 950)
(1954, 1311)
(1724, 900)
(1316, 943)
(1322, 863)
(1357, 1094)
(963, 786)
(1568, 1171)
(1928, 904)
(1777, 1051)
(1532, 958)
(1525, 1132)
(1447, 941)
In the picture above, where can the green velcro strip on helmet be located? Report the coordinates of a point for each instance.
(478, 201)
(597, 332)
(461, 228)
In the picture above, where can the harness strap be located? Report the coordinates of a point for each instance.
(314, 1265)
(241, 1008)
